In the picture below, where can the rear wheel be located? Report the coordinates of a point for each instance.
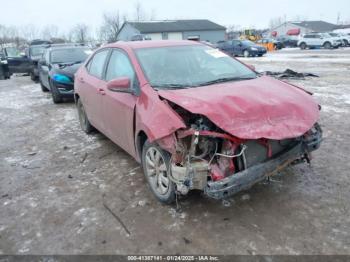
(327, 45)
(246, 53)
(83, 120)
(303, 45)
(155, 163)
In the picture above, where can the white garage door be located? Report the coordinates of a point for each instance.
(175, 36)
(155, 36)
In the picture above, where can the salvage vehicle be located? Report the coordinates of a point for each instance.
(195, 117)
(317, 40)
(34, 53)
(57, 68)
(17, 61)
(288, 41)
(244, 48)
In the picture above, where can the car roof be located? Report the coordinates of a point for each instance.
(61, 47)
(152, 43)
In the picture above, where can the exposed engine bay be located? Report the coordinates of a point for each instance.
(204, 155)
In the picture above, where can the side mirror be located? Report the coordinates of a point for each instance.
(251, 67)
(121, 84)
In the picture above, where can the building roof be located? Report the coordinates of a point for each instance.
(317, 26)
(175, 26)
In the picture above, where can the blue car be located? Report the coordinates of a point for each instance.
(244, 48)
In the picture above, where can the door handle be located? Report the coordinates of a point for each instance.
(101, 91)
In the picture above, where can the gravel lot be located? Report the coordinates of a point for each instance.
(56, 182)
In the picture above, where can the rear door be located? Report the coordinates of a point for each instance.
(93, 86)
(237, 47)
(118, 108)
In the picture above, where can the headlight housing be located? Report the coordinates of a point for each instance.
(254, 49)
(63, 79)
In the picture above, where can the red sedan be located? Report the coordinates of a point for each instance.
(194, 117)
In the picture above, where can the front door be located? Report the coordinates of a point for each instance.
(17, 63)
(118, 108)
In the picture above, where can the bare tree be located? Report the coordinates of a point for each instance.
(139, 13)
(80, 33)
(29, 32)
(112, 23)
(274, 22)
(49, 31)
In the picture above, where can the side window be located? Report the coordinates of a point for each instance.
(119, 66)
(96, 64)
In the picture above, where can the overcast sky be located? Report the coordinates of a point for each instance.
(257, 13)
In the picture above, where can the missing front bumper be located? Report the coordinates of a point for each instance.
(247, 178)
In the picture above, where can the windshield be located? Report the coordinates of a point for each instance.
(12, 52)
(189, 66)
(69, 55)
(37, 50)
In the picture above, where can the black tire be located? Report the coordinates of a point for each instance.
(303, 45)
(56, 96)
(83, 120)
(169, 195)
(43, 88)
(32, 76)
(327, 45)
(260, 55)
(346, 42)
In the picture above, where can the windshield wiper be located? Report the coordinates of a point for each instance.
(224, 79)
(169, 86)
(69, 63)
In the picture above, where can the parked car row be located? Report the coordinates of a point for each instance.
(324, 40)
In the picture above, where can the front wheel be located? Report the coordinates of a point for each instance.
(43, 88)
(155, 164)
(83, 120)
(56, 96)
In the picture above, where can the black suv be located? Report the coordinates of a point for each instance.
(57, 67)
(244, 48)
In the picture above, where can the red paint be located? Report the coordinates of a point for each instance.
(259, 108)
(294, 31)
(251, 109)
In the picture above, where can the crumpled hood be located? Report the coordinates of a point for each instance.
(259, 108)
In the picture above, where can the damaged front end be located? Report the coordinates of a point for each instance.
(206, 158)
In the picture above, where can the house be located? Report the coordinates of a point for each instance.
(302, 27)
(200, 30)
